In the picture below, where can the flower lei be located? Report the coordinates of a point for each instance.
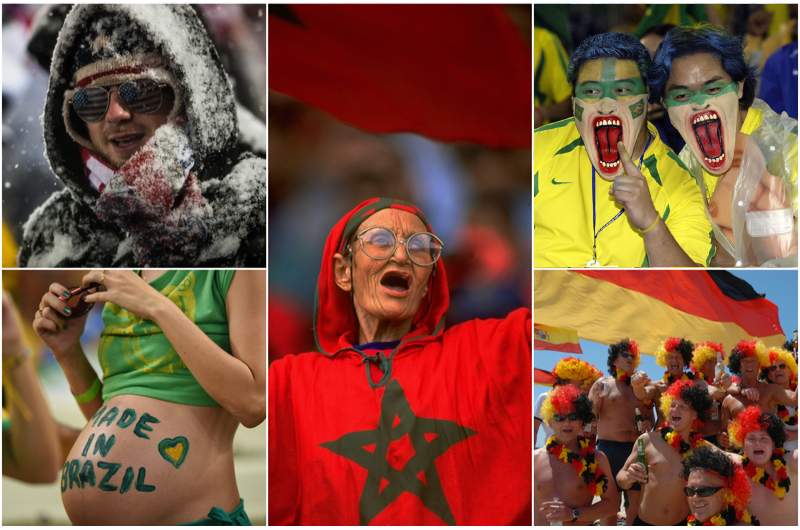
(756, 474)
(669, 435)
(622, 376)
(669, 379)
(725, 518)
(783, 413)
(583, 461)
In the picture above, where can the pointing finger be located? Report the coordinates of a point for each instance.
(630, 167)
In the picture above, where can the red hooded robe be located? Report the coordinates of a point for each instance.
(434, 431)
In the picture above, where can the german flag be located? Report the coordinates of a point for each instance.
(555, 339)
(543, 377)
(649, 306)
(455, 73)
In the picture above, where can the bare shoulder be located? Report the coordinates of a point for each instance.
(733, 456)
(791, 461)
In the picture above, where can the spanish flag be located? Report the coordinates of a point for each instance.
(454, 73)
(555, 339)
(648, 306)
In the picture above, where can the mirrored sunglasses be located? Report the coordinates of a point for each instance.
(705, 491)
(142, 96)
(76, 303)
(627, 355)
(779, 367)
(571, 417)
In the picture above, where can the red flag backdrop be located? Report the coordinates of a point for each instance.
(649, 306)
(449, 72)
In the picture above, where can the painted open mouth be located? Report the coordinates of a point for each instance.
(396, 281)
(708, 132)
(607, 133)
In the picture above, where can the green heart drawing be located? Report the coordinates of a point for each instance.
(174, 450)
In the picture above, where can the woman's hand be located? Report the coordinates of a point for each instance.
(59, 334)
(125, 289)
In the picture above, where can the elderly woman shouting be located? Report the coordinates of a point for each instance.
(184, 363)
(399, 421)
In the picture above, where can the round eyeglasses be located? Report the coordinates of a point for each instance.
(379, 242)
(142, 96)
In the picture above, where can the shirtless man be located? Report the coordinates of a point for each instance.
(747, 358)
(674, 354)
(711, 479)
(762, 436)
(704, 365)
(566, 409)
(782, 371)
(614, 406)
(685, 404)
(567, 371)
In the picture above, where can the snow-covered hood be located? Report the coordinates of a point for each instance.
(206, 93)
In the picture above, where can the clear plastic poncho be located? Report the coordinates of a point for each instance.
(764, 201)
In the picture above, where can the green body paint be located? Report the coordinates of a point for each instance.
(699, 96)
(141, 425)
(103, 446)
(127, 480)
(127, 418)
(110, 416)
(174, 450)
(87, 473)
(88, 443)
(140, 485)
(64, 472)
(608, 84)
(97, 416)
(578, 112)
(111, 469)
(74, 467)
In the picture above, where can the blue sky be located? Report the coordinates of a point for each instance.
(780, 287)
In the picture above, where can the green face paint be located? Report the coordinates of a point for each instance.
(637, 109)
(628, 85)
(682, 96)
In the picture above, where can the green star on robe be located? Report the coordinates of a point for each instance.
(441, 435)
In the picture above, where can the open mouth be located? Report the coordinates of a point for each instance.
(708, 132)
(607, 133)
(676, 419)
(759, 452)
(396, 282)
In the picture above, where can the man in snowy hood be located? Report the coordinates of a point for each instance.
(141, 126)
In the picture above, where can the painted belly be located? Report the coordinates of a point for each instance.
(145, 461)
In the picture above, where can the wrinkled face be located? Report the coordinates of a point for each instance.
(780, 375)
(121, 132)
(389, 289)
(626, 362)
(610, 106)
(703, 104)
(758, 447)
(567, 430)
(675, 363)
(750, 367)
(704, 508)
(681, 415)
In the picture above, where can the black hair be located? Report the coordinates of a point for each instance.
(773, 425)
(735, 361)
(583, 407)
(613, 354)
(705, 458)
(685, 348)
(705, 38)
(699, 400)
(614, 45)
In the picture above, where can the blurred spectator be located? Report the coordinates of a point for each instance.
(779, 80)
(753, 21)
(655, 112)
(551, 92)
(676, 15)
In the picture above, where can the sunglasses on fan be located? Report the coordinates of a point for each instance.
(142, 96)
